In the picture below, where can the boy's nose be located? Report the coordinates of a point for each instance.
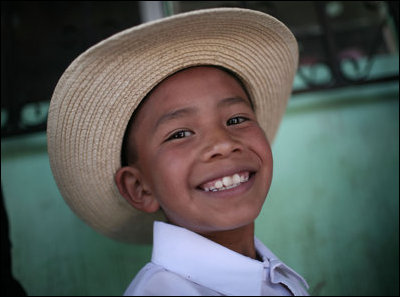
(220, 144)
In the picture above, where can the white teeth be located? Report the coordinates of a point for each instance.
(219, 184)
(236, 178)
(244, 179)
(228, 182)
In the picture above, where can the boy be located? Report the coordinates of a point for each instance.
(180, 113)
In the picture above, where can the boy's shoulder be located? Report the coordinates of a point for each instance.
(155, 280)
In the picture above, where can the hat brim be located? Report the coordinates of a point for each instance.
(97, 94)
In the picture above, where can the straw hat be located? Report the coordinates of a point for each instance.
(97, 94)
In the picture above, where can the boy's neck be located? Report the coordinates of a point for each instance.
(240, 240)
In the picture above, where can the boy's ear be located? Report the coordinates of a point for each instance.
(131, 186)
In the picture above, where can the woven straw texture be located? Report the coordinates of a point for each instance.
(97, 94)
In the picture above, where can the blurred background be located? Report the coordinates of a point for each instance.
(332, 213)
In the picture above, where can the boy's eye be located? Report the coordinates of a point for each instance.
(236, 120)
(180, 134)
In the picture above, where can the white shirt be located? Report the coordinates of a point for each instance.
(186, 263)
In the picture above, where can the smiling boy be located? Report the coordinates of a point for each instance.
(196, 137)
(186, 141)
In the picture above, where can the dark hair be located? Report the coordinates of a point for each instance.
(129, 154)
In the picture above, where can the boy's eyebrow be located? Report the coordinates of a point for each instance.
(175, 114)
(187, 111)
(233, 100)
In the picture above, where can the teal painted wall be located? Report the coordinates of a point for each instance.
(333, 207)
(332, 213)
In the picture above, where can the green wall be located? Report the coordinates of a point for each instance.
(332, 212)
(333, 207)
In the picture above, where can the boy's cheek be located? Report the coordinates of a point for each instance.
(169, 167)
(257, 138)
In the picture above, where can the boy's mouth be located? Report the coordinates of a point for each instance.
(226, 182)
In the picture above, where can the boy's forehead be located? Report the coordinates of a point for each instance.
(182, 88)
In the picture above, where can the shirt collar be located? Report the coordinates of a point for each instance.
(280, 272)
(188, 254)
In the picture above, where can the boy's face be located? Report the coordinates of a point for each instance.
(201, 153)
